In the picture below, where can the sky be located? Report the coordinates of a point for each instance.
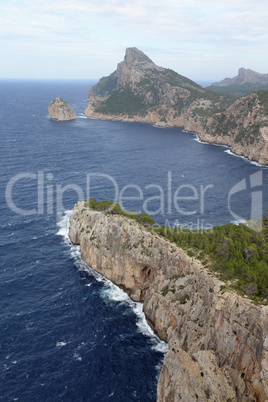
(83, 39)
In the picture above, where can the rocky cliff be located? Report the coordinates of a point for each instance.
(218, 341)
(140, 91)
(61, 110)
(245, 76)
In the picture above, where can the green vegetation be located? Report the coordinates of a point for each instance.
(106, 84)
(165, 290)
(184, 299)
(177, 80)
(238, 90)
(123, 101)
(237, 252)
(263, 98)
(114, 208)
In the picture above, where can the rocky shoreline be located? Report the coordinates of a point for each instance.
(140, 91)
(257, 153)
(218, 341)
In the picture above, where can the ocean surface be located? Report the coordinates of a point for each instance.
(67, 333)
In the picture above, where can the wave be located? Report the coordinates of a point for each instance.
(60, 344)
(209, 143)
(110, 291)
(159, 126)
(228, 151)
(114, 293)
(145, 329)
(197, 139)
(63, 225)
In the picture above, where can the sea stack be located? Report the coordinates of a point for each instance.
(61, 110)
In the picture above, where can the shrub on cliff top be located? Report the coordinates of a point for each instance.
(111, 207)
(236, 252)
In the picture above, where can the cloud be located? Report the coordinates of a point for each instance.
(193, 27)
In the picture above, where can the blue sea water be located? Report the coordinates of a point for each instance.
(66, 333)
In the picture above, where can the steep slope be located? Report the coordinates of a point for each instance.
(245, 76)
(141, 91)
(243, 126)
(218, 341)
(246, 82)
(139, 87)
(61, 110)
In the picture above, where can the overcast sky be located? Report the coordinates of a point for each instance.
(201, 39)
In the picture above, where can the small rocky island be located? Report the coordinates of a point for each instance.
(61, 110)
(218, 340)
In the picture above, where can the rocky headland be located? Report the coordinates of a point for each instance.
(140, 91)
(218, 340)
(61, 110)
(244, 76)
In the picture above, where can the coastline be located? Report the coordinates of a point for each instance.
(255, 157)
(210, 331)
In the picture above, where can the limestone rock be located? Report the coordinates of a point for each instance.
(61, 110)
(244, 76)
(140, 91)
(218, 341)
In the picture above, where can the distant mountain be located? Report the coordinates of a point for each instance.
(246, 82)
(245, 76)
(140, 91)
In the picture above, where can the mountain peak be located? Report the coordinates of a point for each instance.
(245, 76)
(134, 55)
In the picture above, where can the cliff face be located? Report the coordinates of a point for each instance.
(218, 341)
(140, 91)
(243, 126)
(245, 76)
(61, 110)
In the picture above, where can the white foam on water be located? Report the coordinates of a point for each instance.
(60, 344)
(113, 292)
(228, 151)
(145, 329)
(197, 139)
(77, 357)
(159, 126)
(110, 291)
(63, 225)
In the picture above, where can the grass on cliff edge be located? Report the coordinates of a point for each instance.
(115, 209)
(237, 252)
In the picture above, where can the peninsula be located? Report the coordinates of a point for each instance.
(140, 91)
(218, 340)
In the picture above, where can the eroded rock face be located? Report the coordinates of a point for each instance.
(170, 99)
(218, 341)
(244, 76)
(61, 110)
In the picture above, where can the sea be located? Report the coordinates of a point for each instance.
(66, 332)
